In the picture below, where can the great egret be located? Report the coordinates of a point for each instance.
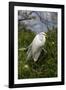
(35, 48)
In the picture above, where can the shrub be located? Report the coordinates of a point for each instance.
(46, 66)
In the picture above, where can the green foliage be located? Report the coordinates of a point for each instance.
(46, 66)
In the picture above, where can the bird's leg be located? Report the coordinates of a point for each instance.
(44, 50)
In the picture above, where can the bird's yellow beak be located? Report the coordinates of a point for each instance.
(45, 34)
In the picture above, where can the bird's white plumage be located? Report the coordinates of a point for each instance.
(35, 47)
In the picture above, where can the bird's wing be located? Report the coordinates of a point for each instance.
(36, 55)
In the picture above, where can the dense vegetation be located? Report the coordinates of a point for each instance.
(46, 66)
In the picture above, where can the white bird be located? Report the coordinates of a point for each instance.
(35, 48)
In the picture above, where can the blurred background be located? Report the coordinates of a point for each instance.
(37, 21)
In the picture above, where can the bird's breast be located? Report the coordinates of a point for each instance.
(42, 40)
(37, 44)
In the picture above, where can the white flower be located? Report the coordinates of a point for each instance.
(26, 66)
(52, 43)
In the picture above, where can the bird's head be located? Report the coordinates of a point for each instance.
(43, 33)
